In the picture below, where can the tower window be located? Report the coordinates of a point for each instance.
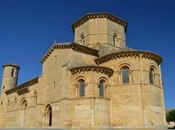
(101, 87)
(12, 73)
(81, 83)
(82, 39)
(115, 38)
(125, 74)
(151, 76)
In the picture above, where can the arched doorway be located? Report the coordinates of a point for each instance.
(23, 112)
(48, 116)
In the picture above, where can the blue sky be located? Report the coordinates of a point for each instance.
(29, 27)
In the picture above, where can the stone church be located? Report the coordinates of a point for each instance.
(94, 82)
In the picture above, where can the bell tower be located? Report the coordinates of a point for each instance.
(9, 81)
(10, 76)
(100, 28)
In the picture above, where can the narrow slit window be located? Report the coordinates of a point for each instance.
(12, 73)
(151, 76)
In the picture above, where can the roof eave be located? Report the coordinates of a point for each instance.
(109, 16)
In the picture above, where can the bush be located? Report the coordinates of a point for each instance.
(170, 116)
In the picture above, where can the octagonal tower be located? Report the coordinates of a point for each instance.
(100, 28)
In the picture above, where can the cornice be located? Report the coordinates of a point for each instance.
(99, 15)
(13, 65)
(142, 54)
(23, 86)
(73, 46)
(100, 69)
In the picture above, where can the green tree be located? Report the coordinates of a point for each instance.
(170, 116)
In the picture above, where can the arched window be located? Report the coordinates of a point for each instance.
(151, 76)
(24, 105)
(81, 84)
(101, 88)
(125, 74)
(82, 38)
(48, 116)
(115, 38)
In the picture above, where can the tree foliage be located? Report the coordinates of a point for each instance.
(170, 116)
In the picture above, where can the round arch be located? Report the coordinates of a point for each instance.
(125, 72)
(153, 66)
(77, 78)
(23, 104)
(124, 63)
(102, 77)
(80, 85)
(48, 115)
(23, 112)
(102, 83)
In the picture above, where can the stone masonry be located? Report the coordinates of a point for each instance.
(93, 83)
